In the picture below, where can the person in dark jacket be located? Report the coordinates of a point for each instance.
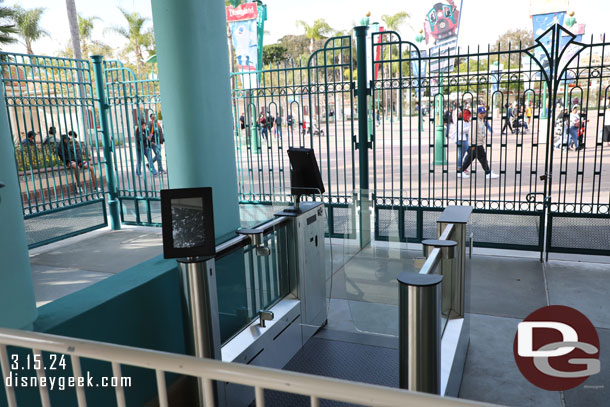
(156, 140)
(72, 157)
(142, 140)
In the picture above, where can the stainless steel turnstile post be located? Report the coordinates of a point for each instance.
(202, 325)
(419, 337)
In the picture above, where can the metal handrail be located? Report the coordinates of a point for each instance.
(209, 370)
(240, 241)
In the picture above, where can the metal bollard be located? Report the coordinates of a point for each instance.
(419, 340)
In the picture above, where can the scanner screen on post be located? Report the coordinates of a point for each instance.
(187, 223)
(188, 228)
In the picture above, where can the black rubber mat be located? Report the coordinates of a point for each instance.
(341, 360)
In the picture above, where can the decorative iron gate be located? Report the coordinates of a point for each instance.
(134, 109)
(539, 188)
(299, 106)
(51, 99)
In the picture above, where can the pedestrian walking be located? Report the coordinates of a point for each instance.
(262, 124)
(507, 118)
(461, 135)
(142, 139)
(575, 122)
(478, 150)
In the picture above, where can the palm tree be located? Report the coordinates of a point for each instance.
(392, 22)
(28, 25)
(139, 39)
(395, 20)
(315, 32)
(7, 27)
(85, 28)
(74, 34)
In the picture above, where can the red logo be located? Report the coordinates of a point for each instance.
(556, 348)
(246, 11)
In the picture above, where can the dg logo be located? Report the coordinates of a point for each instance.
(557, 348)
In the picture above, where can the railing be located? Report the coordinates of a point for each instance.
(314, 387)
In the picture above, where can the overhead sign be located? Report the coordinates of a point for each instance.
(441, 28)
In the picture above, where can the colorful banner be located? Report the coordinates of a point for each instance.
(541, 23)
(441, 28)
(242, 21)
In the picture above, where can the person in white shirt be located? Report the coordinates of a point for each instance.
(574, 127)
(460, 133)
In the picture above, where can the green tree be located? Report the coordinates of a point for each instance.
(139, 38)
(274, 53)
(85, 28)
(28, 25)
(318, 30)
(296, 45)
(392, 22)
(7, 25)
(517, 39)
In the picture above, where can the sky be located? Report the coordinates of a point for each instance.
(482, 20)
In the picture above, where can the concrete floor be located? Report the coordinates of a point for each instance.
(503, 291)
(72, 264)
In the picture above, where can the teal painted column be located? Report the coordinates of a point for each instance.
(193, 58)
(17, 301)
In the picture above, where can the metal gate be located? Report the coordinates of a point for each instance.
(293, 105)
(134, 113)
(50, 100)
(541, 193)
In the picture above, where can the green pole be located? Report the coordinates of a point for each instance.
(363, 137)
(260, 32)
(439, 149)
(113, 201)
(253, 127)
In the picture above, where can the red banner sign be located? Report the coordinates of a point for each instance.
(246, 11)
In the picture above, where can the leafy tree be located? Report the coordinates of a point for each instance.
(274, 53)
(28, 25)
(7, 26)
(296, 45)
(139, 38)
(318, 30)
(517, 39)
(392, 22)
(85, 28)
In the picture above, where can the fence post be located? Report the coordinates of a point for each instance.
(363, 137)
(113, 202)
